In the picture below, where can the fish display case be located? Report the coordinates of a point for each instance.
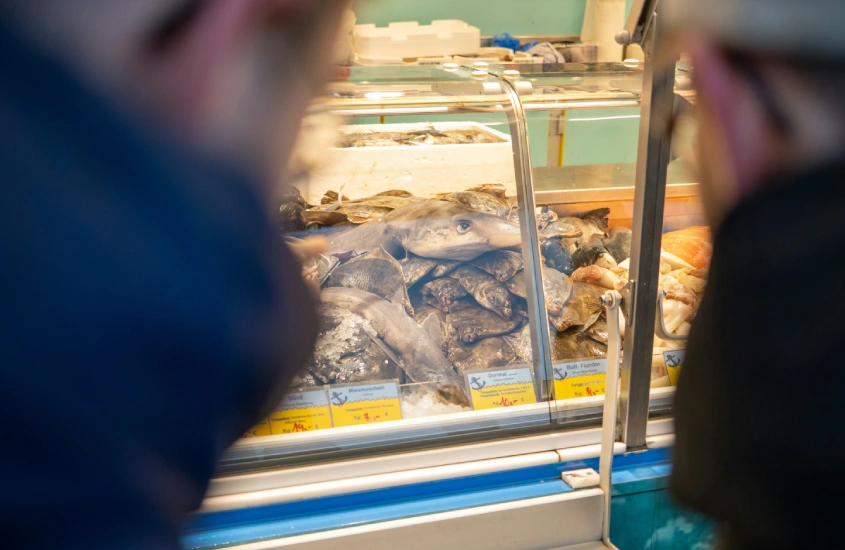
(462, 297)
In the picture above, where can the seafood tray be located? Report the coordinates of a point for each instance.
(426, 290)
(419, 158)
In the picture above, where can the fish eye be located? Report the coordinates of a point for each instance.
(463, 226)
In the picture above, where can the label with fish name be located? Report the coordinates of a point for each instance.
(497, 388)
(301, 411)
(580, 378)
(353, 404)
(673, 359)
(259, 430)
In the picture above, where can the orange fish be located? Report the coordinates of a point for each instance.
(693, 245)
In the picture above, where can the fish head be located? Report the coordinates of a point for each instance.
(465, 236)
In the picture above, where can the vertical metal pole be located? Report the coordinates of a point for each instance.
(537, 315)
(649, 196)
(611, 301)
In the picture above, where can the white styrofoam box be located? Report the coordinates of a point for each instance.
(410, 39)
(423, 170)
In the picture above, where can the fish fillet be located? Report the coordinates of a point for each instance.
(693, 245)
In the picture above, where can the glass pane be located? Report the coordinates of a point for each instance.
(584, 122)
(425, 333)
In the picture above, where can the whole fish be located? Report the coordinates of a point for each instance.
(487, 291)
(475, 323)
(420, 357)
(377, 272)
(450, 231)
(583, 307)
(557, 288)
(557, 255)
(492, 352)
(502, 264)
(444, 294)
(573, 345)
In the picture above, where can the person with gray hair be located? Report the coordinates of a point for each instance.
(757, 403)
(151, 314)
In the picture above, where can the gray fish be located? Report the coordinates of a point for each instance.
(377, 272)
(450, 231)
(444, 267)
(598, 330)
(475, 323)
(569, 228)
(545, 216)
(557, 255)
(348, 349)
(520, 341)
(415, 268)
(573, 345)
(482, 202)
(443, 294)
(583, 307)
(487, 291)
(420, 357)
(618, 243)
(492, 352)
(587, 255)
(363, 238)
(502, 264)
(516, 285)
(557, 289)
(373, 208)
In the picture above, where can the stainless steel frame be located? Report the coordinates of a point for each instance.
(650, 193)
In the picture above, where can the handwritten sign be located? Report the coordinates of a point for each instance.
(497, 388)
(580, 378)
(673, 359)
(301, 411)
(259, 430)
(352, 405)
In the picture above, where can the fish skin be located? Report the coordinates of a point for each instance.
(377, 272)
(482, 202)
(450, 231)
(443, 293)
(475, 323)
(422, 359)
(573, 345)
(557, 255)
(487, 291)
(520, 341)
(415, 268)
(583, 307)
(444, 267)
(488, 353)
(618, 243)
(501, 264)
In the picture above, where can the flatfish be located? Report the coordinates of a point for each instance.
(415, 268)
(445, 294)
(501, 264)
(557, 287)
(475, 323)
(520, 341)
(444, 267)
(583, 307)
(572, 345)
(487, 291)
(483, 202)
(492, 352)
(377, 272)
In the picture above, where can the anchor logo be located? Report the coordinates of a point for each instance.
(477, 384)
(339, 399)
(672, 360)
(559, 375)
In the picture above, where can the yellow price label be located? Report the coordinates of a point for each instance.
(674, 359)
(580, 378)
(259, 430)
(301, 411)
(498, 388)
(352, 405)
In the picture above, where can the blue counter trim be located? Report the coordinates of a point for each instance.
(631, 471)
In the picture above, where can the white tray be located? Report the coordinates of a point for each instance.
(419, 169)
(410, 39)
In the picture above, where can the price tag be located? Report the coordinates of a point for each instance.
(259, 430)
(353, 404)
(496, 388)
(301, 411)
(580, 378)
(673, 359)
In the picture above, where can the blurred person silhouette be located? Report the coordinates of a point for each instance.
(150, 314)
(757, 404)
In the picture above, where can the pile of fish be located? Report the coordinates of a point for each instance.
(425, 290)
(425, 136)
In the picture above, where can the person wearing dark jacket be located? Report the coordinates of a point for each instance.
(150, 313)
(757, 409)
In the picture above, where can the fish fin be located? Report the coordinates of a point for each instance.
(384, 347)
(431, 326)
